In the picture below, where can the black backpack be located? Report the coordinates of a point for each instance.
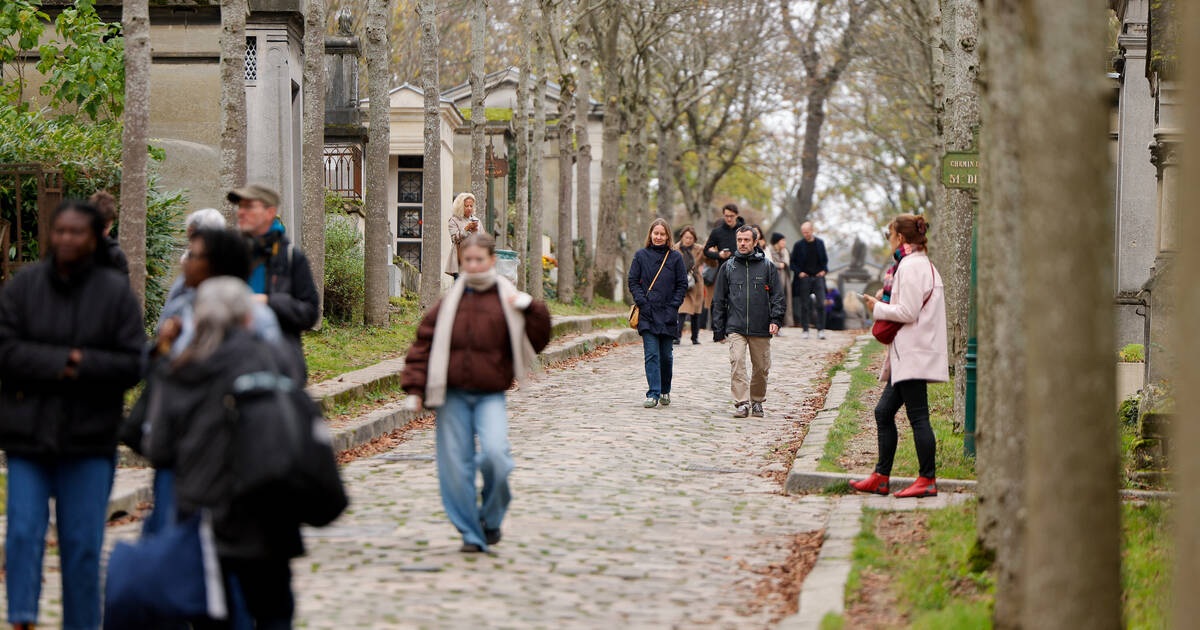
(281, 452)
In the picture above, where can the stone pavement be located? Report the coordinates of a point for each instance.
(622, 516)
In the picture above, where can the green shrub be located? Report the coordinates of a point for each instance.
(344, 273)
(1133, 353)
(1128, 411)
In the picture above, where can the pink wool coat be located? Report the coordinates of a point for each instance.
(919, 350)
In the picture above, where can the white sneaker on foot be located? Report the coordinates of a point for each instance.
(806, 334)
(820, 334)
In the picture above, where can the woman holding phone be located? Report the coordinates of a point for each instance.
(912, 296)
(462, 223)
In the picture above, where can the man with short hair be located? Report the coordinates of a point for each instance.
(748, 308)
(811, 263)
(107, 205)
(279, 273)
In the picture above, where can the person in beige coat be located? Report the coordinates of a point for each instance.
(783, 260)
(693, 301)
(913, 295)
(462, 223)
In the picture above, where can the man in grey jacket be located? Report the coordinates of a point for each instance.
(748, 309)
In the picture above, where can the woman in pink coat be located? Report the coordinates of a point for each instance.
(913, 296)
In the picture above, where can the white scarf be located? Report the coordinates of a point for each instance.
(514, 317)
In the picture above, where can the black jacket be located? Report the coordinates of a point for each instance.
(800, 262)
(291, 291)
(42, 317)
(192, 432)
(722, 237)
(659, 307)
(747, 297)
(116, 256)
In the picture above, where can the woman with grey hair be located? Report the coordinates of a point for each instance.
(202, 219)
(462, 223)
(191, 434)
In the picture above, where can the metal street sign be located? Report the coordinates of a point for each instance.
(960, 169)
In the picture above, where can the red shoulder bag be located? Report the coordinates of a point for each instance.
(885, 331)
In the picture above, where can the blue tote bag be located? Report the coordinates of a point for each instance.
(173, 575)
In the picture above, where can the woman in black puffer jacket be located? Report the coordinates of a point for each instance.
(70, 345)
(658, 302)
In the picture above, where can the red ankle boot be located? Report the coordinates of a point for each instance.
(875, 484)
(922, 487)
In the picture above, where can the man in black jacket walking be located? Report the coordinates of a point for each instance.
(279, 273)
(811, 263)
(748, 308)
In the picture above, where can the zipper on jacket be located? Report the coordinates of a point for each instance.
(748, 289)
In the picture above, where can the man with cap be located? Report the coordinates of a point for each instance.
(279, 273)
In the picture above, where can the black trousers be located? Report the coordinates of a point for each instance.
(810, 309)
(913, 395)
(266, 586)
(683, 317)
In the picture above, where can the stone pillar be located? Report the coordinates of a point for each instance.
(1136, 218)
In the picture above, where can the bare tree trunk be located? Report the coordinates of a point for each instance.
(960, 27)
(521, 127)
(377, 235)
(431, 192)
(583, 163)
(1072, 570)
(537, 168)
(478, 112)
(313, 146)
(1000, 427)
(566, 244)
(638, 169)
(233, 100)
(135, 23)
(1186, 439)
(810, 164)
(668, 152)
(608, 236)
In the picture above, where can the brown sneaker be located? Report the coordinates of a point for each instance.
(756, 410)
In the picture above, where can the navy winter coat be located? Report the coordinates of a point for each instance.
(659, 309)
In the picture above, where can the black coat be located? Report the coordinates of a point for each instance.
(192, 433)
(42, 318)
(722, 237)
(800, 261)
(291, 291)
(116, 256)
(658, 308)
(747, 297)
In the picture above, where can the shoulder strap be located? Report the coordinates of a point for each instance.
(660, 268)
(932, 287)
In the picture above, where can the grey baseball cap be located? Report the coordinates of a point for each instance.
(252, 192)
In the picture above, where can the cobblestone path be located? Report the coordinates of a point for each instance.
(622, 517)
(619, 518)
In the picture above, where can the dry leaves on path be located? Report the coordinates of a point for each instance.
(779, 587)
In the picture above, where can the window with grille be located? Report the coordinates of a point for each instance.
(409, 225)
(410, 187)
(251, 58)
(410, 252)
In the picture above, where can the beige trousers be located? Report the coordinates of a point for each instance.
(759, 348)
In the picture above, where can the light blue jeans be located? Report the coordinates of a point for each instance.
(80, 486)
(464, 415)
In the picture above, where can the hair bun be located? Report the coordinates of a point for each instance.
(922, 224)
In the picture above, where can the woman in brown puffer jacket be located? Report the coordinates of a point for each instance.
(693, 301)
(470, 346)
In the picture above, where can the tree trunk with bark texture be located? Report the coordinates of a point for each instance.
(566, 244)
(668, 153)
(1072, 571)
(135, 24)
(638, 169)
(478, 112)
(313, 146)
(431, 192)
(521, 127)
(810, 162)
(583, 164)
(960, 28)
(377, 234)
(1186, 459)
(608, 237)
(537, 212)
(1000, 427)
(233, 100)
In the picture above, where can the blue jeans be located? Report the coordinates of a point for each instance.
(163, 514)
(464, 415)
(80, 486)
(659, 361)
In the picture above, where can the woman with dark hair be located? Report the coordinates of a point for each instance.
(693, 301)
(912, 296)
(783, 261)
(470, 346)
(70, 345)
(658, 282)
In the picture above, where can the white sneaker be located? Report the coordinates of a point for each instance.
(820, 334)
(806, 334)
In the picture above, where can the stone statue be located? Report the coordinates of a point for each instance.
(345, 22)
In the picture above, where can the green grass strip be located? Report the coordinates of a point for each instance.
(845, 427)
